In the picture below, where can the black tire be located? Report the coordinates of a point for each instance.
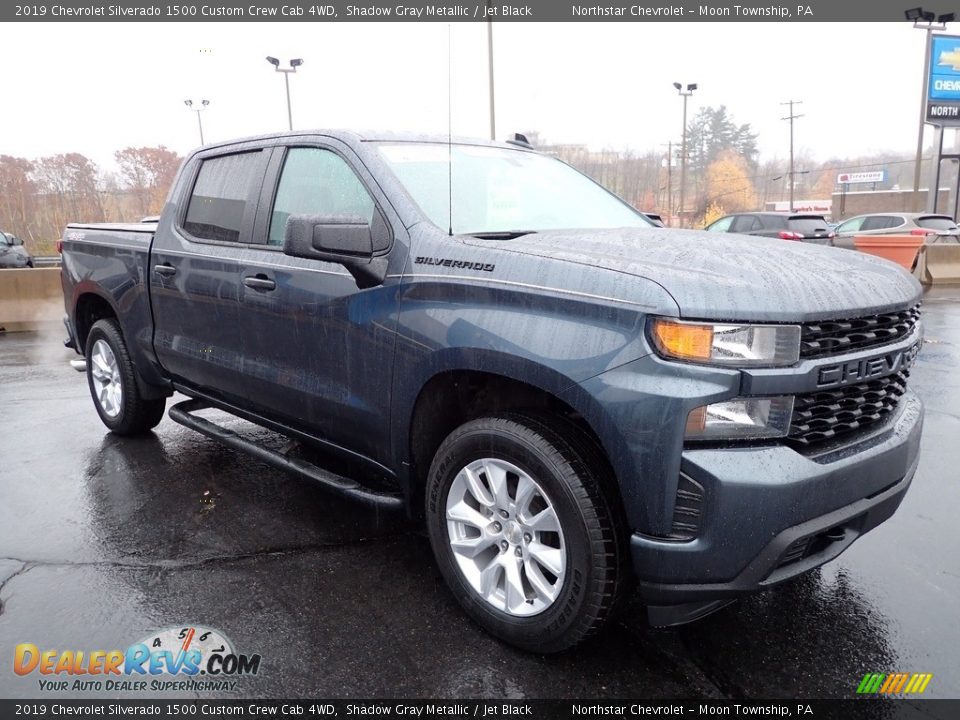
(137, 415)
(556, 457)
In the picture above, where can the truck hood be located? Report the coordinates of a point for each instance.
(732, 277)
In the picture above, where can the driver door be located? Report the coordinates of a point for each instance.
(317, 350)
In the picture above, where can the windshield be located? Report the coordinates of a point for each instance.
(496, 190)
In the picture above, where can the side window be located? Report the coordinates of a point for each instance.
(721, 225)
(880, 222)
(745, 223)
(220, 195)
(317, 182)
(851, 225)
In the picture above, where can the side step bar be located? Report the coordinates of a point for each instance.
(181, 413)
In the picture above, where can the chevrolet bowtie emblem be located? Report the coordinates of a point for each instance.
(951, 58)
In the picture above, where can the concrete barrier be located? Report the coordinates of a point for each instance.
(938, 263)
(30, 298)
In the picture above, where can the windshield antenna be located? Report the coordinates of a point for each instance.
(449, 133)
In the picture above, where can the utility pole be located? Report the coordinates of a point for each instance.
(791, 117)
(669, 183)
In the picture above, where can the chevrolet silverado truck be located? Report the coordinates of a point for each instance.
(574, 402)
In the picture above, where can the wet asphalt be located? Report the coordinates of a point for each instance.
(104, 539)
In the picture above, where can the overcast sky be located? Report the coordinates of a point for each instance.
(94, 88)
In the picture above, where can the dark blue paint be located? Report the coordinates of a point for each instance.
(563, 312)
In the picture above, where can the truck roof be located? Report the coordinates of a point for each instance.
(361, 136)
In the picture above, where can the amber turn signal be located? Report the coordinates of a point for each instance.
(683, 340)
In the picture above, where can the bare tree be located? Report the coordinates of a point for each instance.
(147, 173)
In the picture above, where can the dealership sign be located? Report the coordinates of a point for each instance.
(943, 83)
(875, 176)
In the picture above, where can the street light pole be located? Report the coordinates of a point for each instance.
(685, 94)
(923, 20)
(197, 110)
(294, 64)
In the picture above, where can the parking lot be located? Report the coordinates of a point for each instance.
(104, 540)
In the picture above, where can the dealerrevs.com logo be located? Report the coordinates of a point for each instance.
(188, 658)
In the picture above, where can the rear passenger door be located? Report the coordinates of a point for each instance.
(194, 271)
(318, 351)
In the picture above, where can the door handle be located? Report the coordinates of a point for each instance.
(165, 270)
(259, 282)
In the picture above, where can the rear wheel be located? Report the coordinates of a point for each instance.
(523, 533)
(113, 384)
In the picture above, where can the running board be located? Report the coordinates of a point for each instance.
(181, 413)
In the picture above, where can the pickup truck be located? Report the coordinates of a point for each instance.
(573, 402)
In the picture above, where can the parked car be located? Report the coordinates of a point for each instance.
(523, 377)
(936, 228)
(786, 226)
(12, 252)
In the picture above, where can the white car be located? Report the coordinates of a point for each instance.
(936, 228)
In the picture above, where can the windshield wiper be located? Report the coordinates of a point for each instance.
(501, 234)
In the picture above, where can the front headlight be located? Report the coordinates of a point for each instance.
(741, 419)
(726, 344)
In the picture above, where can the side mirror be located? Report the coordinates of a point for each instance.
(343, 239)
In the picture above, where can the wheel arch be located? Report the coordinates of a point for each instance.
(452, 396)
(92, 306)
(89, 307)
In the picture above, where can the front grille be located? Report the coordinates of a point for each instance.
(828, 414)
(831, 337)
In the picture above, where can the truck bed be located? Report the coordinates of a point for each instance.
(143, 227)
(112, 260)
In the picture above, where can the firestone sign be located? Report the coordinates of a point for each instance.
(943, 83)
(874, 176)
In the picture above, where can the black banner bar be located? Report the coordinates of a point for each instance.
(860, 709)
(456, 11)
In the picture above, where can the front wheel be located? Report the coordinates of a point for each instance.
(523, 533)
(113, 383)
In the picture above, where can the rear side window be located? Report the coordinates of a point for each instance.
(881, 222)
(936, 223)
(220, 196)
(745, 223)
(773, 222)
(807, 225)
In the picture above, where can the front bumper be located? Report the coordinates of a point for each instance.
(771, 513)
